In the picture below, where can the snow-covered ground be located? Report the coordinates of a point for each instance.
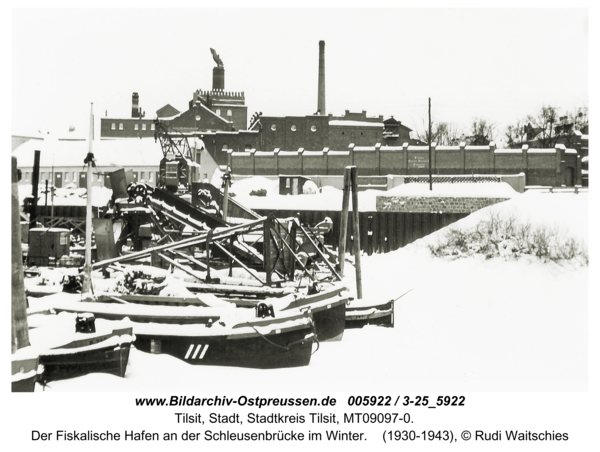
(330, 198)
(468, 324)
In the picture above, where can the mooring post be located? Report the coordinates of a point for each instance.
(225, 205)
(293, 249)
(35, 178)
(231, 240)
(355, 221)
(344, 220)
(208, 240)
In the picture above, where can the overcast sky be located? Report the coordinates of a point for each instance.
(499, 64)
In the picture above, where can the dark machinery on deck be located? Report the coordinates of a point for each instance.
(176, 166)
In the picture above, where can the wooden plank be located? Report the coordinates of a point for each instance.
(355, 220)
(267, 248)
(194, 241)
(218, 245)
(319, 252)
(344, 220)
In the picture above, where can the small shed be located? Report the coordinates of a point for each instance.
(48, 245)
(292, 185)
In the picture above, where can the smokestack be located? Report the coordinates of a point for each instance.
(218, 78)
(135, 112)
(321, 99)
(218, 72)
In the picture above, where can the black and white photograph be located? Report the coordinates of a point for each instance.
(387, 205)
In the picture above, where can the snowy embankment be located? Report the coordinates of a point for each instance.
(330, 198)
(468, 324)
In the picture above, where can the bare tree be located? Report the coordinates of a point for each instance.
(442, 133)
(543, 125)
(516, 134)
(482, 132)
(574, 121)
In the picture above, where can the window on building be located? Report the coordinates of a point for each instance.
(224, 148)
(143, 175)
(43, 177)
(248, 147)
(136, 126)
(113, 126)
(229, 113)
(313, 128)
(143, 126)
(120, 126)
(273, 127)
(67, 177)
(99, 177)
(218, 112)
(150, 176)
(152, 126)
(294, 128)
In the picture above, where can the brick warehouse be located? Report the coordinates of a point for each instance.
(322, 145)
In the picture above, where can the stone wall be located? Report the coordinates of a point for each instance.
(554, 167)
(431, 204)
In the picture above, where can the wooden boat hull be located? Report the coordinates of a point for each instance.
(105, 355)
(139, 313)
(328, 309)
(287, 343)
(382, 314)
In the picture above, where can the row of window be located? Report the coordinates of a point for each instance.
(225, 148)
(72, 176)
(293, 128)
(229, 113)
(136, 126)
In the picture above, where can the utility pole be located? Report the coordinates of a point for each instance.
(429, 135)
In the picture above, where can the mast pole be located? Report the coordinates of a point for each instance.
(87, 270)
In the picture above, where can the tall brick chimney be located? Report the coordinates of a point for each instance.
(321, 94)
(135, 110)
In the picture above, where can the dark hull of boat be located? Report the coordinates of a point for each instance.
(28, 366)
(380, 315)
(26, 385)
(111, 360)
(106, 353)
(330, 321)
(287, 349)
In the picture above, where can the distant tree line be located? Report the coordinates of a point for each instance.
(544, 129)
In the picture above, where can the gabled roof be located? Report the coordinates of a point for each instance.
(167, 111)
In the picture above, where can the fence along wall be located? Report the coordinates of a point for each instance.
(380, 232)
(555, 167)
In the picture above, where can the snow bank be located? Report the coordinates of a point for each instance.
(467, 325)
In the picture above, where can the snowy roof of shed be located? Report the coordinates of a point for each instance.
(338, 122)
(118, 152)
